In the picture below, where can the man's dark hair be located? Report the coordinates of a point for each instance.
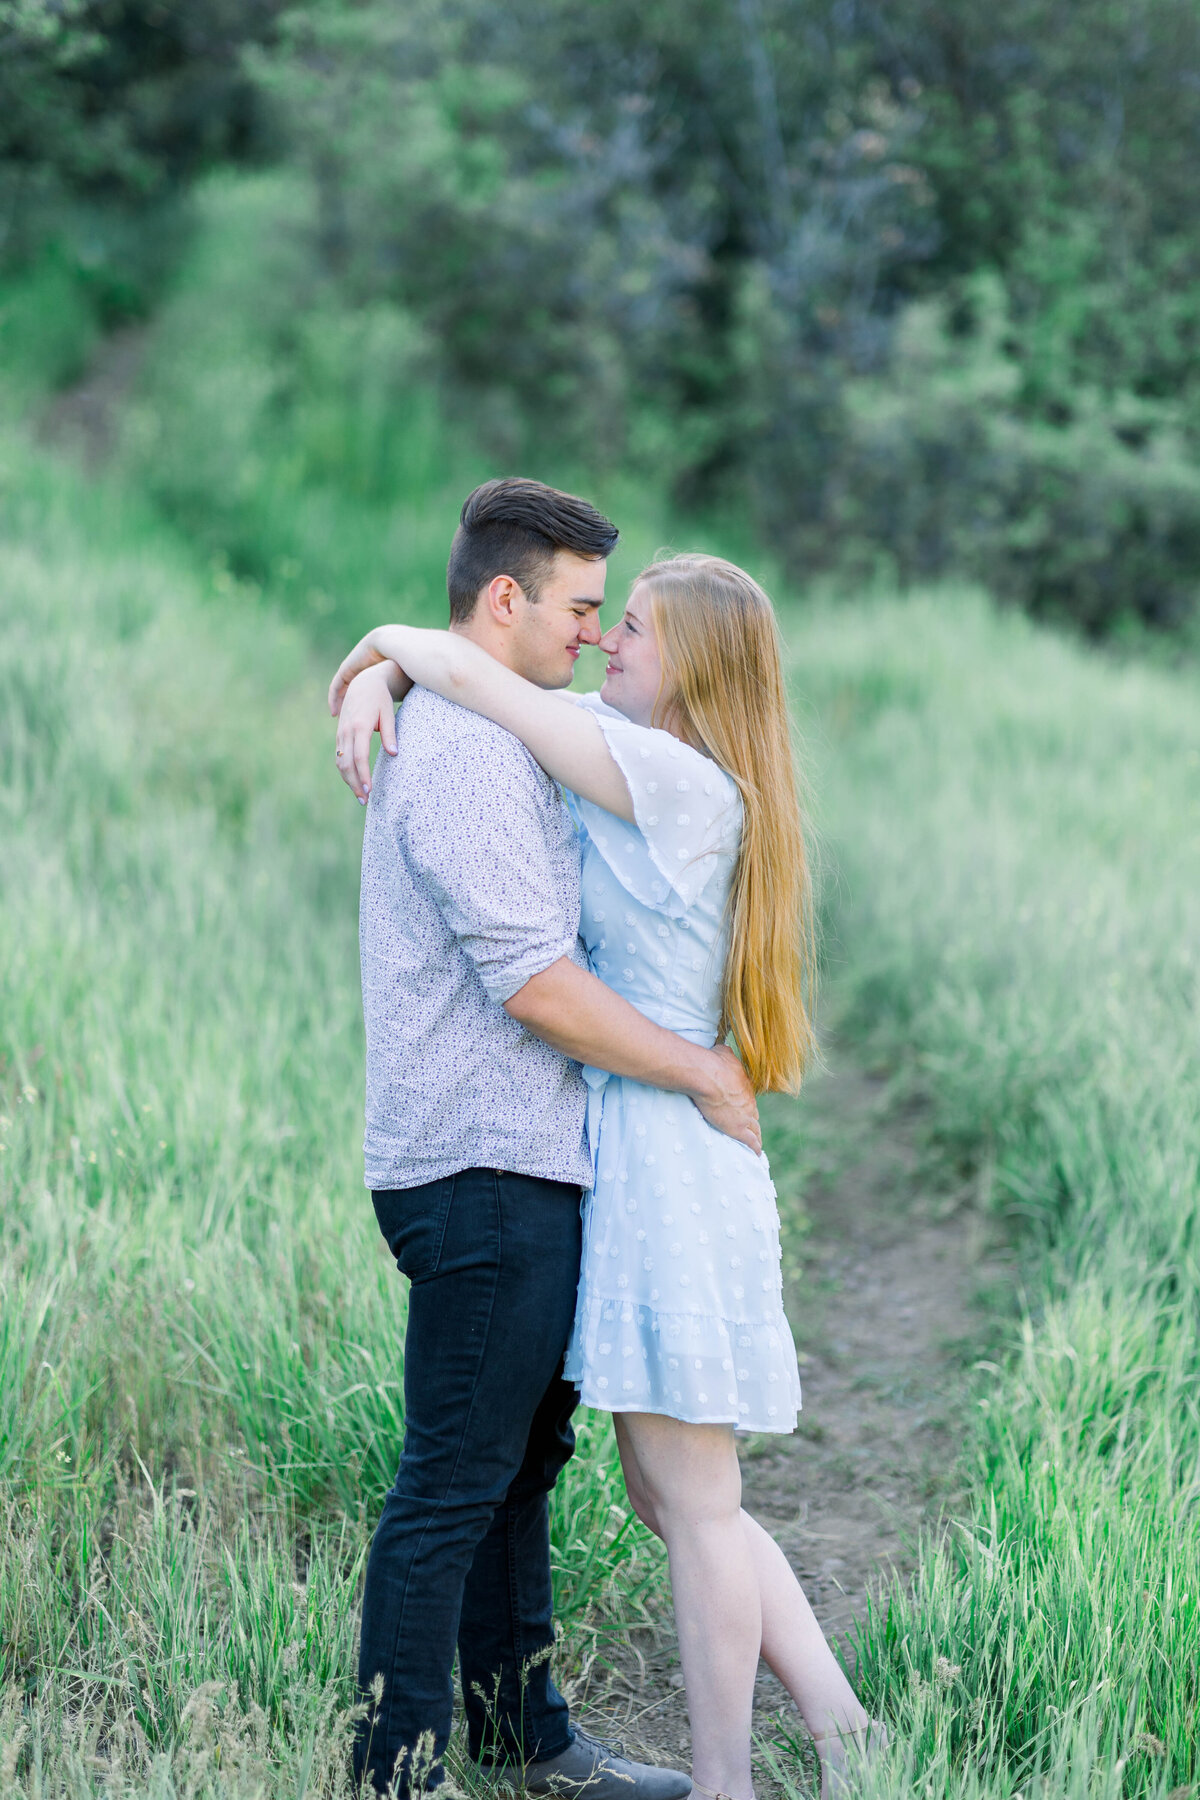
(514, 527)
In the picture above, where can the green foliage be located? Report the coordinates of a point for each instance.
(302, 441)
(1095, 521)
(1016, 835)
(48, 331)
(684, 242)
(121, 97)
(683, 245)
(1059, 144)
(107, 109)
(296, 437)
(201, 1336)
(590, 217)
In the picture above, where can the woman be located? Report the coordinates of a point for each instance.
(695, 908)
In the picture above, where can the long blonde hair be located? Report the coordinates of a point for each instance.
(723, 691)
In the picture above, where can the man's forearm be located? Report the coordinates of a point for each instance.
(573, 1011)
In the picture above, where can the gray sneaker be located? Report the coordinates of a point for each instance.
(590, 1770)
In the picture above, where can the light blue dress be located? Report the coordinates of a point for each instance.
(680, 1307)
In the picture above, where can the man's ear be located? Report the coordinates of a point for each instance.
(500, 598)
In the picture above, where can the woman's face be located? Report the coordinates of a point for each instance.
(634, 675)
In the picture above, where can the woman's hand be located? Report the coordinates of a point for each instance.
(365, 704)
(363, 656)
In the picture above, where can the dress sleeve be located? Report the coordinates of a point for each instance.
(688, 814)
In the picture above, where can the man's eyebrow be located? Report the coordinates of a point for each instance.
(584, 600)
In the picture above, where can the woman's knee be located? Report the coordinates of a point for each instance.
(639, 1497)
(684, 1473)
(645, 1510)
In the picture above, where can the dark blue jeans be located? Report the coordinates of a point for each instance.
(462, 1551)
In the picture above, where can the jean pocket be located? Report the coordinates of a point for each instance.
(413, 1222)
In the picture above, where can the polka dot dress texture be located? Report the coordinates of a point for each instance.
(680, 1307)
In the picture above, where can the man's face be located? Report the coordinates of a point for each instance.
(547, 632)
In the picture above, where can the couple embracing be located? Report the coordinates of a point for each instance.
(569, 902)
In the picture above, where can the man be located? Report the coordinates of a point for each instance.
(479, 1009)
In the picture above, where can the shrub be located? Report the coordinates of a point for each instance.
(1096, 521)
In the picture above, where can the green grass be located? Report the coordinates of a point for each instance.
(200, 1336)
(200, 1333)
(1017, 828)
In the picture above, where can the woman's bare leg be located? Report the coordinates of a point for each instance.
(790, 1641)
(793, 1645)
(688, 1478)
(795, 1649)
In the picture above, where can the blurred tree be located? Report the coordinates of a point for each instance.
(1060, 142)
(107, 107)
(652, 230)
(125, 95)
(681, 236)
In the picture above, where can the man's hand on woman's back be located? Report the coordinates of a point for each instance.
(572, 1010)
(732, 1106)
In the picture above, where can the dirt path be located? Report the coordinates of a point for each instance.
(83, 419)
(888, 1320)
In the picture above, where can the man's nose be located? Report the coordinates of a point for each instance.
(590, 632)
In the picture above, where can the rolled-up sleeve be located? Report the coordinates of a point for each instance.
(475, 834)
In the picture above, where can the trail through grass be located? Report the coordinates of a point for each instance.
(1018, 833)
(200, 1369)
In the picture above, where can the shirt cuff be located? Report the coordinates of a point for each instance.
(507, 979)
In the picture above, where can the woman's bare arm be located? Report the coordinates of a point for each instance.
(565, 739)
(367, 706)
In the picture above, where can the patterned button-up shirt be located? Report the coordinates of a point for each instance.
(470, 886)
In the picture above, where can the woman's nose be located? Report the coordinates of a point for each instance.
(608, 643)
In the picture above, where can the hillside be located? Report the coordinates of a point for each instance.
(199, 1378)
